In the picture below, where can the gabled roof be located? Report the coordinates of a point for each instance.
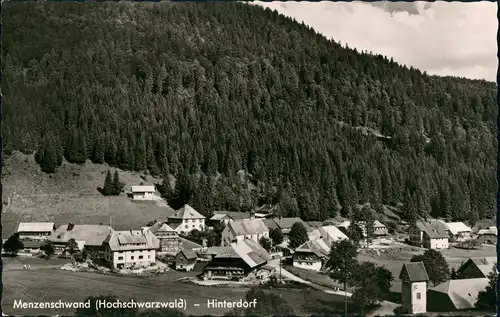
(143, 189)
(188, 244)
(188, 254)
(246, 227)
(132, 240)
(93, 235)
(251, 252)
(161, 227)
(287, 223)
(320, 247)
(457, 227)
(378, 224)
(490, 231)
(227, 252)
(415, 271)
(484, 264)
(330, 233)
(270, 224)
(236, 215)
(462, 293)
(436, 230)
(35, 227)
(187, 212)
(216, 217)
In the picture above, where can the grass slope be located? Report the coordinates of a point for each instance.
(71, 195)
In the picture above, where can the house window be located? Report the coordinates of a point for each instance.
(140, 257)
(120, 258)
(132, 257)
(418, 296)
(149, 256)
(186, 226)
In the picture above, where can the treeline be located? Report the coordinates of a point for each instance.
(243, 106)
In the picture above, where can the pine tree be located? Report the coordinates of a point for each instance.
(107, 190)
(116, 185)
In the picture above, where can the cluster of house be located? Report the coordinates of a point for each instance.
(437, 234)
(452, 295)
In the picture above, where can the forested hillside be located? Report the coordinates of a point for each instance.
(243, 106)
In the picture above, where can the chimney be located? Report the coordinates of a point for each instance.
(70, 226)
(252, 215)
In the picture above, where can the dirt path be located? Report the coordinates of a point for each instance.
(386, 309)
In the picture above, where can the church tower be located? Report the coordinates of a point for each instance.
(414, 280)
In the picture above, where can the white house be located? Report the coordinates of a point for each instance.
(131, 249)
(186, 220)
(312, 255)
(143, 192)
(458, 231)
(429, 235)
(35, 230)
(238, 230)
(414, 280)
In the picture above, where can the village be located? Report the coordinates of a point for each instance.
(242, 249)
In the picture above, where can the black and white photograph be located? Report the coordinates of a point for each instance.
(249, 158)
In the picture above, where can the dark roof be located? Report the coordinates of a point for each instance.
(287, 223)
(32, 244)
(415, 271)
(271, 224)
(236, 215)
(436, 230)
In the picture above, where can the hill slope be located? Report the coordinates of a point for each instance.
(195, 89)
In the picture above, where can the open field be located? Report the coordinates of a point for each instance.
(22, 175)
(70, 195)
(33, 285)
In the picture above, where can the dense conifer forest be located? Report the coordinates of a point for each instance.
(243, 106)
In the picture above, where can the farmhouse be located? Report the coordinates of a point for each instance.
(169, 238)
(477, 268)
(283, 224)
(238, 230)
(143, 192)
(236, 261)
(185, 260)
(186, 220)
(414, 280)
(458, 231)
(35, 230)
(328, 233)
(219, 218)
(427, 235)
(131, 249)
(488, 236)
(312, 255)
(455, 295)
(31, 247)
(91, 236)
